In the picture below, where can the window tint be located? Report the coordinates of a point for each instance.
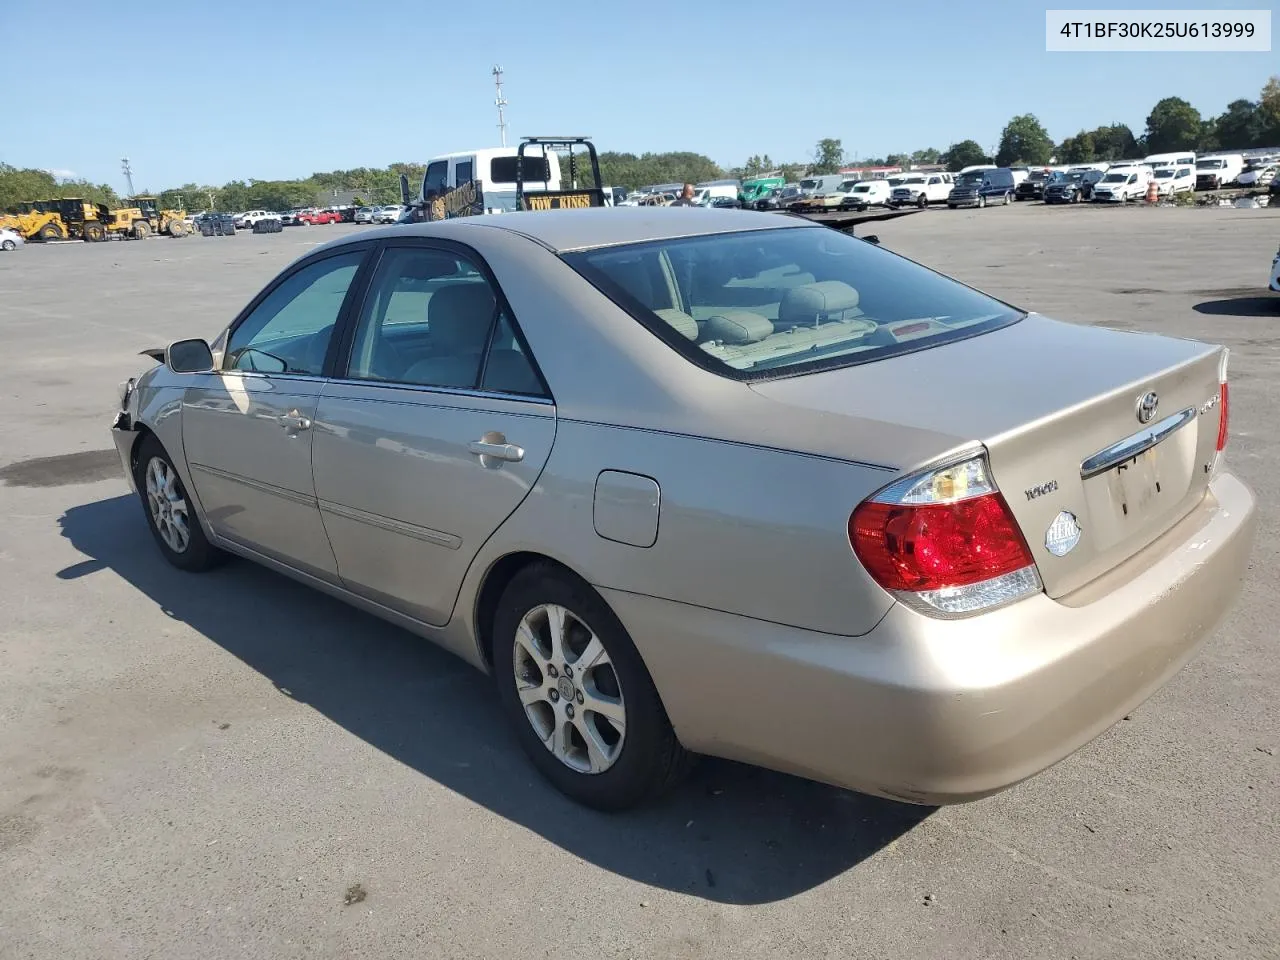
(503, 169)
(755, 302)
(462, 172)
(436, 175)
(427, 320)
(290, 330)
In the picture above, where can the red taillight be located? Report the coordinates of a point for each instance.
(944, 541)
(924, 547)
(1222, 416)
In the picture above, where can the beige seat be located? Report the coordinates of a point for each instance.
(814, 302)
(458, 322)
(684, 324)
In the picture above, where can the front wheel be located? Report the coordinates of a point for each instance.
(8, 245)
(982, 201)
(170, 516)
(574, 687)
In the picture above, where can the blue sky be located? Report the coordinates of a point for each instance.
(281, 88)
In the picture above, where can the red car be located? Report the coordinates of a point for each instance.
(319, 216)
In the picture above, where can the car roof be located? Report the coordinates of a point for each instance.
(565, 230)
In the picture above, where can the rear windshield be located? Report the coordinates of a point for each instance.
(767, 303)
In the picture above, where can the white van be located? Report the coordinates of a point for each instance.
(866, 193)
(1120, 184)
(1173, 179)
(1183, 158)
(1212, 173)
(719, 188)
(827, 183)
(495, 168)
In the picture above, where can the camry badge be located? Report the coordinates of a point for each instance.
(1147, 404)
(1063, 534)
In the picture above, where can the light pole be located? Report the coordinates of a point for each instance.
(128, 173)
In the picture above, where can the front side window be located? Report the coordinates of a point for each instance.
(437, 173)
(429, 319)
(289, 331)
(760, 303)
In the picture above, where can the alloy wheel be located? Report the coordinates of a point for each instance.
(168, 505)
(571, 693)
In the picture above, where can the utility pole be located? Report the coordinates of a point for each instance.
(128, 173)
(500, 102)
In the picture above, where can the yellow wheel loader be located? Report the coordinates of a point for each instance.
(171, 223)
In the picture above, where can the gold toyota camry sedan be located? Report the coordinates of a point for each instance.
(713, 482)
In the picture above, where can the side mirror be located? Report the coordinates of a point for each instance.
(188, 356)
(404, 189)
(872, 239)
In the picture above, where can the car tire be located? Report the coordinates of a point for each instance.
(951, 206)
(922, 202)
(171, 517)
(982, 201)
(634, 748)
(8, 245)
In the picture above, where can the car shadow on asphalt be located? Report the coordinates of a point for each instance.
(731, 834)
(1265, 306)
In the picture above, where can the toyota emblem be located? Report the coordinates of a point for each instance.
(1147, 404)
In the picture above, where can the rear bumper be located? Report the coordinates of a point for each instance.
(935, 711)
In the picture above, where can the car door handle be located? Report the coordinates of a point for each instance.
(496, 451)
(293, 421)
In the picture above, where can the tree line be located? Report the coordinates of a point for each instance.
(1173, 124)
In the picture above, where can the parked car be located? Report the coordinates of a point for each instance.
(246, 220)
(1257, 175)
(1122, 184)
(988, 572)
(781, 198)
(867, 193)
(389, 214)
(313, 217)
(725, 203)
(1034, 186)
(980, 188)
(365, 214)
(10, 239)
(1275, 273)
(1214, 173)
(1072, 187)
(1174, 180)
(922, 189)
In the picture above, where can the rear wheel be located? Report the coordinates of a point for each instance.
(574, 687)
(982, 201)
(8, 245)
(922, 201)
(94, 232)
(177, 228)
(170, 516)
(49, 231)
(141, 230)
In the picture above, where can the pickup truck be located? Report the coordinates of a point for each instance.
(311, 217)
(922, 189)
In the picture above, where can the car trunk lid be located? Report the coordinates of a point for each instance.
(1057, 407)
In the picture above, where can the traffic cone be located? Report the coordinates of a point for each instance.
(1153, 192)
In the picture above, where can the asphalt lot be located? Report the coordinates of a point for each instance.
(214, 766)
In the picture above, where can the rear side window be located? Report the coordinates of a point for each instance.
(503, 169)
(779, 302)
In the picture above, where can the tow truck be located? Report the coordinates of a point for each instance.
(467, 198)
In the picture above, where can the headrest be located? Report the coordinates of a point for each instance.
(737, 326)
(458, 315)
(813, 300)
(684, 324)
